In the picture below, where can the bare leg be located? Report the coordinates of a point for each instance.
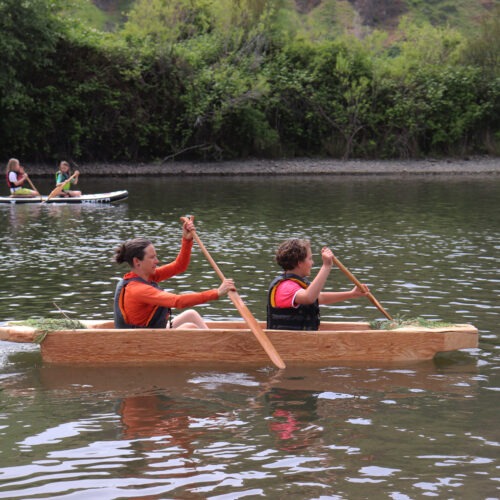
(189, 319)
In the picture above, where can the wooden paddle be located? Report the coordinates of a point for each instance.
(32, 186)
(58, 189)
(373, 300)
(245, 313)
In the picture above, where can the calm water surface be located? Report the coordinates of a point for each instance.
(426, 246)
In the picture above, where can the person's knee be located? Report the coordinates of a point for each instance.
(188, 326)
(194, 314)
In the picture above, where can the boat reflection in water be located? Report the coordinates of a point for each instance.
(194, 427)
(163, 400)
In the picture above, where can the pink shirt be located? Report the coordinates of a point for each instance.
(285, 293)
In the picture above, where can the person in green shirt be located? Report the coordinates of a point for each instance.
(62, 176)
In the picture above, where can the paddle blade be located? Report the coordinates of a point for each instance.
(58, 189)
(245, 313)
(259, 334)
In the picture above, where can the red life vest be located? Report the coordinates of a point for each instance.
(10, 183)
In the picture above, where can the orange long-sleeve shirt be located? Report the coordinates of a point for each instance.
(141, 299)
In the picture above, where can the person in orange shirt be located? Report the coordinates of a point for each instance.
(141, 303)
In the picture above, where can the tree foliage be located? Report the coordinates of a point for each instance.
(28, 40)
(237, 78)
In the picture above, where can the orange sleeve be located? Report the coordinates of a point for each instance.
(179, 265)
(141, 299)
(139, 296)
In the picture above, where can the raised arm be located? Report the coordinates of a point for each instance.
(312, 292)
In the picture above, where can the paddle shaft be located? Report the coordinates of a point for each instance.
(32, 186)
(370, 296)
(243, 309)
(59, 189)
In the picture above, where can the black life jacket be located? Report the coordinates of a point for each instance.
(158, 318)
(303, 317)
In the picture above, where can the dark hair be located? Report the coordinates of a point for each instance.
(291, 252)
(130, 249)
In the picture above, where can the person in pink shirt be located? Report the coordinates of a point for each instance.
(293, 300)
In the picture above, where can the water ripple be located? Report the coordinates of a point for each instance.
(425, 248)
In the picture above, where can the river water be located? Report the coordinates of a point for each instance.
(426, 246)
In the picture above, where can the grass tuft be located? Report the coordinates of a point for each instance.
(46, 325)
(401, 321)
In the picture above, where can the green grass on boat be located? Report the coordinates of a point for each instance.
(400, 322)
(46, 325)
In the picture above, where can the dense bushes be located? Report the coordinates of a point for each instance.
(237, 79)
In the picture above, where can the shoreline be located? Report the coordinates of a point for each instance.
(303, 166)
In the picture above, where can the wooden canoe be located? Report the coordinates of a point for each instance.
(100, 344)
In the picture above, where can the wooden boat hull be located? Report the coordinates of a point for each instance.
(233, 342)
(98, 198)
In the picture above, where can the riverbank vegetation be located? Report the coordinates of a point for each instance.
(219, 79)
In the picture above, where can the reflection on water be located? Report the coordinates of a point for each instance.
(202, 432)
(426, 247)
